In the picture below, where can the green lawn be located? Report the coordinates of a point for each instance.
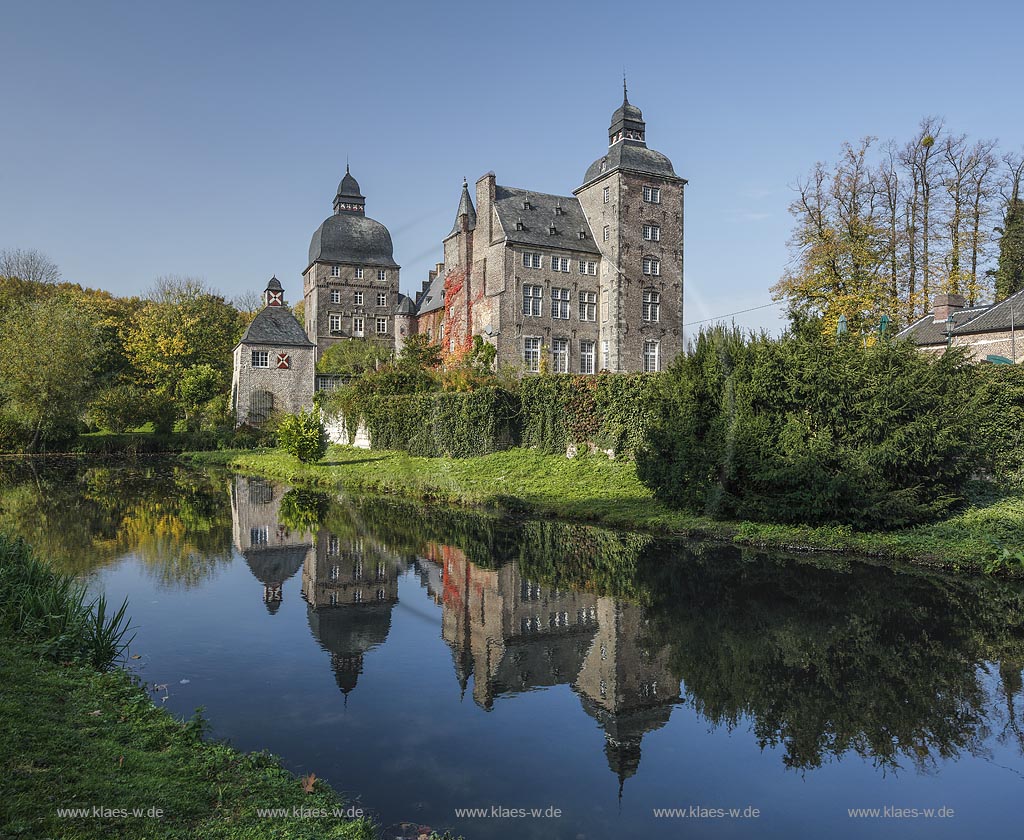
(599, 490)
(73, 737)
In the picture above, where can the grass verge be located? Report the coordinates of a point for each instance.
(595, 489)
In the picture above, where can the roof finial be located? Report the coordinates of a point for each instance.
(625, 98)
(346, 166)
(465, 183)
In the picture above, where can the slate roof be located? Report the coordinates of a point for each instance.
(349, 187)
(508, 202)
(465, 208)
(927, 331)
(434, 297)
(998, 317)
(406, 305)
(631, 156)
(276, 325)
(352, 238)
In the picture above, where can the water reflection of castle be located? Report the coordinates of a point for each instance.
(507, 632)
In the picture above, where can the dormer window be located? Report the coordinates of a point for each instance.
(558, 209)
(583, 233)
(526, 204)
(552, 230)
(520, 225)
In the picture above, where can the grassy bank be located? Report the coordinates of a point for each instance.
(596, 489)
(78, 734)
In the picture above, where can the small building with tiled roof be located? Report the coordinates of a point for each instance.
(989, 333)
(274, 363)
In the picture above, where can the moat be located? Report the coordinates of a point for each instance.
(424, 661)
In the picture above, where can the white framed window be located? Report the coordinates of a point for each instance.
(652, 356)
(335, 271)
(358, 299)
(358, 325)
(357, 596)
(605, 356)
(531, 259)
(652, 266)
(532, 300)
(652, 233)
(359, 274)
(382, 298)
(261, 358)
(560, 304)
(382, 326)
(652, 305)
(607, 234)
(560, 355)
(587, 357)
(531, 354)
(334, 322)
(560, 264)
(381, 595)
(588, 306)
(607, 195)
(335, 295)
(652, 195)
(382, 274)
(588, 267)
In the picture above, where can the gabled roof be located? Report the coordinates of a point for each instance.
(537, 220)
(434, 297)
(276, 325)
(927, 331)
(1002, 316)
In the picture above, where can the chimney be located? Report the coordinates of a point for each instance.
(946, 305)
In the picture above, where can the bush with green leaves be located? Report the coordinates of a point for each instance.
(1001, 424)
(811, 428)
(303, 435)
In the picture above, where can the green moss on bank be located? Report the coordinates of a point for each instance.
(74, 737)
(596, 489)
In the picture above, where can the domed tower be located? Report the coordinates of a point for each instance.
(633, 200)
(351, 281)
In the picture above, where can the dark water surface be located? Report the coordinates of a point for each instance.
(424, 660)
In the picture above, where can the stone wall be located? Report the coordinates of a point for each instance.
(292, 388)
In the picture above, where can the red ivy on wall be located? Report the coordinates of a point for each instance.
(458, 317)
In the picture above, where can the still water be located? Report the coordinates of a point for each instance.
(424, 660)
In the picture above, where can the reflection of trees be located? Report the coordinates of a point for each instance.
(81, 517)
(824, 662)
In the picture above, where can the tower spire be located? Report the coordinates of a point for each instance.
(625, 97)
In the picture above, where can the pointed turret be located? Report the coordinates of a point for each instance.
(466, 211)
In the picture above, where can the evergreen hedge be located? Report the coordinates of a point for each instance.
(813, 429)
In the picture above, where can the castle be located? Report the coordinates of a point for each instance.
(578, 283)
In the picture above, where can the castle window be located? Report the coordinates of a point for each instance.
(588, 267)
(259, 536)
(382, 326)
(607, 195)
(652, 305)
(652, 266)
(359, 274)
(382, 298)
(332, 599)
(604, 305)
(357, 596)
(652, 356)
(357, 326)
(607, 233)
(382, 274)
(652, 195)
(532, 300)
(531, 354)
(334, 322)
(652, 233)
(261, 358)
(381, 594)
(586, 357)
(531, 260)
(588, 306)
(335, 296)
(358, 299)
(560, 264)
(560, 304)
(560, 355)
(605, 355)
(335, 271)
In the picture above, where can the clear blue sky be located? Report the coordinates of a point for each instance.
(208, 139)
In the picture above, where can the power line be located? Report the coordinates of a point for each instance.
(729, 315)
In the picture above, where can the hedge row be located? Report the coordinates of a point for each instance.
(548, 413)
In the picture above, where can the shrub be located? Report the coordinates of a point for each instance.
(1001, 424)
(303, 435)
(813, 429)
